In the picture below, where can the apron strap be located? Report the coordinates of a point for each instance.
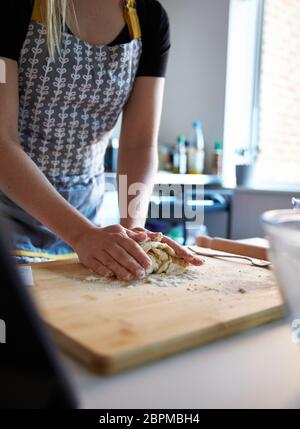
(49, 256)
(38, 14)
(132, 19)
(130, 16)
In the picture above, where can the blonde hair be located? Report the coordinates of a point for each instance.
(55, 23)
(54, 14)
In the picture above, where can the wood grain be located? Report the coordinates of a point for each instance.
(111, 327)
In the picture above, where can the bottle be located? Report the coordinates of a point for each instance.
(180, 156)
(217, 159)
(175, 160)
(111, 156)
(165, 158)
(196, 154)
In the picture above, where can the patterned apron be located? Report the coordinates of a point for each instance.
(67, 111)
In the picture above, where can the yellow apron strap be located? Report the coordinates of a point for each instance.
(49, 256)
(132, 19)
(38, 14)
(130, 16)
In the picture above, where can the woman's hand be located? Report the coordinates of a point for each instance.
(181, 251)
(113, 251)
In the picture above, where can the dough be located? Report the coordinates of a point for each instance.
(163, 257)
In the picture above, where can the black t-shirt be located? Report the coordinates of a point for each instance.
(16, 15)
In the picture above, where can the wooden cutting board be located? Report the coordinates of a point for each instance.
(112, 326)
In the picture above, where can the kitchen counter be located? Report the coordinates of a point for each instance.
(256, 369)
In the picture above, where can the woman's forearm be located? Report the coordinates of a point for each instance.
(23, 182)
(137, 166)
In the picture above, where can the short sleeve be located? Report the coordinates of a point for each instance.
(14, 22)
(156, 39)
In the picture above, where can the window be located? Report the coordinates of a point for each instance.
(263, 89)
(279, 124)
(243, 60)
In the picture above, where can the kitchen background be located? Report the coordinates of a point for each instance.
(232, 95)
(235, 67)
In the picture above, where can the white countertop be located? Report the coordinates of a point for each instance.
(257, 369)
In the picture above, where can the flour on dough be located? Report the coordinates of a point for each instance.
(163, 257)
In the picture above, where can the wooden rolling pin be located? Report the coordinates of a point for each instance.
(233, 247)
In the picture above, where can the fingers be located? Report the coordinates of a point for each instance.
(135, 251)
(98, 268)
(109, 262)
(138, 236)
(149, 234)
(125, 259)
(182, 252)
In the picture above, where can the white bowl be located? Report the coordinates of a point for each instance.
(283, 231)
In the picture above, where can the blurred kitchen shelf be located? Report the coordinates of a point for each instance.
(167, 178)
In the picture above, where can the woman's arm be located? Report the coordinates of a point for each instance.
(106, 251)
(20, 178)
(138, 155)
(138, 159)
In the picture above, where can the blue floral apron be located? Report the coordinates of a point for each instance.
(67, 111)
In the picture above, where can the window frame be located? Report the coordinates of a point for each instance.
(249, 111)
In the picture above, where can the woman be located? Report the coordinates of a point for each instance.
(72, 67)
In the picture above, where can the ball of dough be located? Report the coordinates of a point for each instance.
(163, 257)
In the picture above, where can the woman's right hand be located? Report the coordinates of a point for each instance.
(113, 251)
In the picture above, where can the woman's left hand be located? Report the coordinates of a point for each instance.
(181, 251)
